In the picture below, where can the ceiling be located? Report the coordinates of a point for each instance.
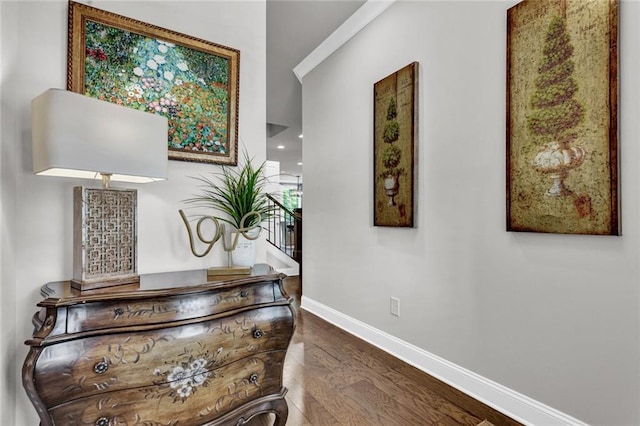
(294, 29)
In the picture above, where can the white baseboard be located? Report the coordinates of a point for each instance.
(509, 402)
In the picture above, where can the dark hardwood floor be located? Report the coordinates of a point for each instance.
(335, 378)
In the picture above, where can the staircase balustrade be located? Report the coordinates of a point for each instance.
(284, 230)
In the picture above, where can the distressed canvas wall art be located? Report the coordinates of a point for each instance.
(562, 154)
(394, 148)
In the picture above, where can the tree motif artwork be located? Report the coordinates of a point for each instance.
(395, 128)
(391, 154)
(562, 117)
(556, 113)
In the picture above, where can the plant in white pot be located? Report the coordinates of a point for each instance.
(238, 195)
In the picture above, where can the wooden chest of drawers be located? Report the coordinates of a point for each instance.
(177, 349)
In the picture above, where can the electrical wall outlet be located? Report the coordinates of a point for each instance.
(395, 306)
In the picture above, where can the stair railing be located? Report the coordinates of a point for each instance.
(284, 229)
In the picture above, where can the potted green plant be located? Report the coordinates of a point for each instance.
(238, 195)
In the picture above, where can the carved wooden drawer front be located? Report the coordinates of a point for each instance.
(93, 365)
(208, 352)
(189, 401)
(100, 315)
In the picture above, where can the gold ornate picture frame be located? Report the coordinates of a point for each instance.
(562, 121)
(193, 82)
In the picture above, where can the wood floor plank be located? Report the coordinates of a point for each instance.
(358, 363)
(315, 380)
(409, 395)
(383, 401)
(412, 393)
(334, 379)
(296, 416)
(313, 412)
(349, 371)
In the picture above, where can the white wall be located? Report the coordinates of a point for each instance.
(36, 211)
(554, 317)
(8, 197)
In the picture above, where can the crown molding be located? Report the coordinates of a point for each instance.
(360, 19)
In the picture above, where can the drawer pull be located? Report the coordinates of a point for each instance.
(253, 378)
(102, 421)
(257, 333)
(244, 293)
(101, 367)
(118, 311)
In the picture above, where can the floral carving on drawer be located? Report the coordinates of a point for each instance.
(108, 363)
(240, 329)
(181, 377)
(187, 306)
(100, 315)
(219, 392)
(191, 305)
(130, 350)
(243, 381)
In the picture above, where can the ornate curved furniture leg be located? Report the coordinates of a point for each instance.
(281, 411)
(29, 386)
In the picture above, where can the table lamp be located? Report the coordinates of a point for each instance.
(77, 136)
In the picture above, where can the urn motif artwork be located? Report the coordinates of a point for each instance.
(395, 130)
(562, 152)
(391, 154)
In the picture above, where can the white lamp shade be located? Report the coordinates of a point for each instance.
(77, 136)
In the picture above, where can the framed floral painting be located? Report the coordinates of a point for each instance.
(192, 82)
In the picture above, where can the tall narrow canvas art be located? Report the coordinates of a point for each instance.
(395, 131)
(562, 155)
